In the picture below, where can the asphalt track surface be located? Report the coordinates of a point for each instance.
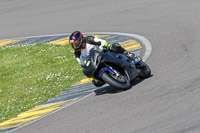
(167, 102)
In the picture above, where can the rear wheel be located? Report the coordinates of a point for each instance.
(117, 80)
(145, 71)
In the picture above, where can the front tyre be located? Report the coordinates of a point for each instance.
(122, 84)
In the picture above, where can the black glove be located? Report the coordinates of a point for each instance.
(98, 83)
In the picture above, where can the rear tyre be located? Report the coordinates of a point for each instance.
(124, 84)
(145, 71)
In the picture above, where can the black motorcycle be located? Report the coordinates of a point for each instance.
(113, 68)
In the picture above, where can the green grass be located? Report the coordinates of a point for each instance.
(30, 75)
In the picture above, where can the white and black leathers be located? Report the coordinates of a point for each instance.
(89, 42)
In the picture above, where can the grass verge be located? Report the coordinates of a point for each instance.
(30, 75)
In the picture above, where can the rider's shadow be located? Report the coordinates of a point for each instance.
(111, 90)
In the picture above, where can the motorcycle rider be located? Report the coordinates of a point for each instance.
(82, 46)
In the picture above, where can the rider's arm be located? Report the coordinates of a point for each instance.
(77, 56)
(97, 41)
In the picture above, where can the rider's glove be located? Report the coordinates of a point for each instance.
(102, 47)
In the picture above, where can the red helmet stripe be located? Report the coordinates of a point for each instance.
(75, 33)
(81, 34)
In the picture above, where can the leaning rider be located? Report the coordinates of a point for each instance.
(82, 45)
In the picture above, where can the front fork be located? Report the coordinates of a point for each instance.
(107, 68)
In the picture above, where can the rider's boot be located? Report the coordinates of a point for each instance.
(136, 59)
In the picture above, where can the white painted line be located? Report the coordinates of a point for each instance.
(148, 50)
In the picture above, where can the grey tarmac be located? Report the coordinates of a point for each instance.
(167, 102)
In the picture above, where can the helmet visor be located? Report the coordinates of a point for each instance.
(76, 45)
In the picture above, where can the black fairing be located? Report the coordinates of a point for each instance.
(105, 58)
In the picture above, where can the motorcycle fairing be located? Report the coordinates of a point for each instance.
(99, 60)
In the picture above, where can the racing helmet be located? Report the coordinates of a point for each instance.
(76, 39)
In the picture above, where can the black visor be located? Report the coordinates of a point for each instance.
(76, 45)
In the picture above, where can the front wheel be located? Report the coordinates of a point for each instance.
(119, 82)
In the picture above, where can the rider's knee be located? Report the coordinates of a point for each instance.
(115, 47)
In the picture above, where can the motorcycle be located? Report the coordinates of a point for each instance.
(114, 69)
